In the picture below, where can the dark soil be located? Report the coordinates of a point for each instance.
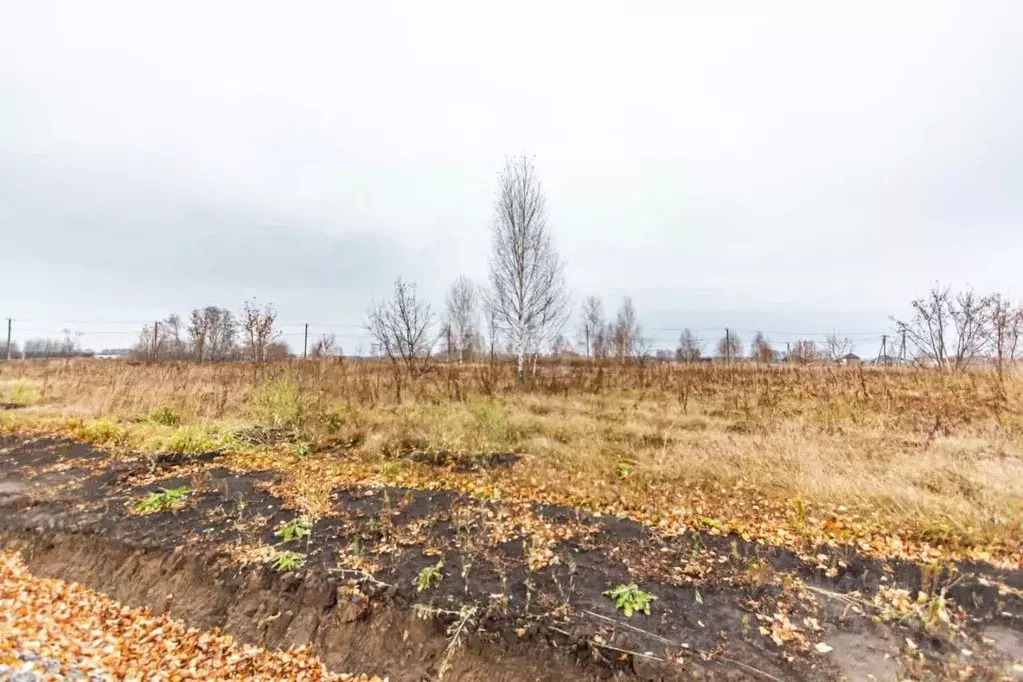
(526, 582)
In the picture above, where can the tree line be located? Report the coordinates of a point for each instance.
(521, 312)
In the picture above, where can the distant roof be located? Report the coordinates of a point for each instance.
(850, 356)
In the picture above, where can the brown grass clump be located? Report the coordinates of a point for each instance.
(896, 460)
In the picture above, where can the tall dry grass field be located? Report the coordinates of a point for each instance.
(883, 456)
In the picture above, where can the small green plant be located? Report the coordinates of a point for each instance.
(165, 416)
(296, 529)
(429, 576)
(335, 418)
(303, 449)
(163, 499)
(289, 561)
(630, 599)
(624, 469)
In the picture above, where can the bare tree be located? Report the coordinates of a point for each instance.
(528, 294)
(730, 347)
(258, 326)
(945, 329)
(212, 333)
(148, 345)
(628, 334)
(591, 324)
(462, 317)
(760, 349)
(402, 328)
(324, 346)
(836, 347)
(1005, 327)
(689, 347)
(174, 345)
(72, 343)
(970, 317)
(804, 352)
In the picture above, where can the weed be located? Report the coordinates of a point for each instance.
(165, 498)
(296, 529)
(630, 599)
(100, 431)
(624, 469)
(429, 576)
(289, 561)
(165, 416)
(303, 449)
(279, 403)
(19, 393)
(335, 418)
(189, 440)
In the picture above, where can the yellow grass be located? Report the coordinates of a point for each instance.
(855, 455)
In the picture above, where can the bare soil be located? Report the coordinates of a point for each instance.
(522, 594)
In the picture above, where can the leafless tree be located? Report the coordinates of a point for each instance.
(591, 324)
(628, 334)
(527, 293)
(462, 317)
(929, 326)
(689, 347)
(970, 315)
(948, 330)
(1005, 327)
(149, 345)
(71, 344)
(212, 334)
(760, 349)
(258, 327)
(174, 345)
(804, 351)
(324, 346)
(729, 347)
(493, 332)
(402, 328)
(836, 347)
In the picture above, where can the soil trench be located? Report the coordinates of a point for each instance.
(260, 607)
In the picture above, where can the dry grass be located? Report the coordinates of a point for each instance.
(928, 457)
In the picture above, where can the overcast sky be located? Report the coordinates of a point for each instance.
(795, 167)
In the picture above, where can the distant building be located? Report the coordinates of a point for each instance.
(850, 359)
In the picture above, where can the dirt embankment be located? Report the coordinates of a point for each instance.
(518, 590)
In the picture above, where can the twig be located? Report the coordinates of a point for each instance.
(679, 646)
(363, 574)
(613, 648)
(635, 629)
(750, 668)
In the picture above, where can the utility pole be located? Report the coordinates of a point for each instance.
(883, 357)
(305, 343)
(728, 347)
(9, 339)
(902, 348)
(156, 340)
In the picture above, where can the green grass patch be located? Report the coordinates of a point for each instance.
(19, 393)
